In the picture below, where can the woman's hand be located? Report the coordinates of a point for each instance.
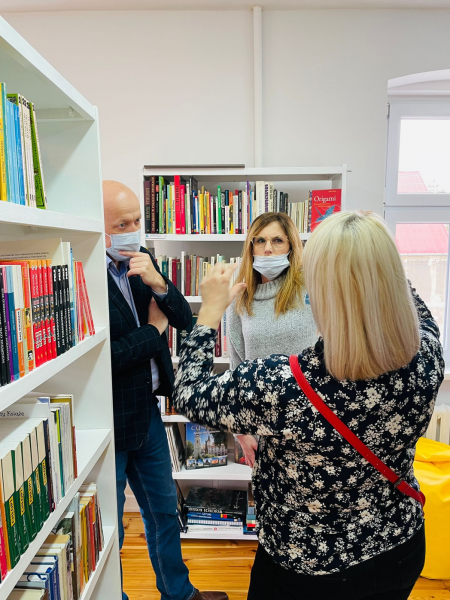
(249, 446)
(217, 295)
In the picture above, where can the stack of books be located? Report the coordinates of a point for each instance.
(188, 271)
(69, 556)
(250, 518)
(176, 338)
(194, 446)
(319, 205)
(44, 304)
(37, 466)
(21, 173)
(215, 510)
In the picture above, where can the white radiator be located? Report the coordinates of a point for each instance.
(439, 427)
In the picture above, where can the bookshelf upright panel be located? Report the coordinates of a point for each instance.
(70, 148)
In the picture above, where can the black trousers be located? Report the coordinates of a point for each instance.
(388, 576)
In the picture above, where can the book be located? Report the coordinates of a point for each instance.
(216, 500)
(323, 204)
(205, 447)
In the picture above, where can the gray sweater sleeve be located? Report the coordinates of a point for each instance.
(236, 349)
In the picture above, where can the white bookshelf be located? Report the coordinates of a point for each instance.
(69, 139)
(297, 181)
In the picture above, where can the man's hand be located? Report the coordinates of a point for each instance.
(156, 317)
(217, 295)
(141, 264)
(249, 446)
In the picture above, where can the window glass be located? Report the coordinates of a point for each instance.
(424, 156)
(423, 248)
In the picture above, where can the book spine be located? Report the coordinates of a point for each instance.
(147, 206)
(45, 355)
(239, 193)
(47, 312)
(12, 324)
(161, 205)
(35, 313)
(188, 276)
(182, 209)
(56, 301)
(3, 344)
(218, 345)
(3, 158)
(18, 303)
(87, 303)
(13, 180)
(51, 299)
(65, 273)
(41, 198)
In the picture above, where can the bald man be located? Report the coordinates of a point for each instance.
(141, 304)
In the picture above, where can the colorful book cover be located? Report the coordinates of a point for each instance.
(205, 447)
(324, 203)
(216, 500)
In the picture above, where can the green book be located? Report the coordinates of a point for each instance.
(8, 491)
(43, 481)
(41, 199)
(30, 510)
(16, 452)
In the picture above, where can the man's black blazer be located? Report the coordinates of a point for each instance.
(132, 348)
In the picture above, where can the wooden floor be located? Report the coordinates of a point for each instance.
(215, 565)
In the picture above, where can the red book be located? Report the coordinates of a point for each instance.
(183, 208)
(47, 323)
(171, 339)
(218, 346)
(42, 307)
(36, 313)
(87, 304)
(80, 304)
(174, 271)
(178, 182)
(52, 308)
(324, 203)
(3, 556)
(188, 277)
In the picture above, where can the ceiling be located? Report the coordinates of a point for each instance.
(13, 6)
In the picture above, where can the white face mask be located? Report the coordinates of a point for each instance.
(125, 242)
(271, 266)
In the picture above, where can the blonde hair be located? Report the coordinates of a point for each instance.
(360, 297)
(289, 295)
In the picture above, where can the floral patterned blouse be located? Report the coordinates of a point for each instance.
(321, 507)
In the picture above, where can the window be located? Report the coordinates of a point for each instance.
(417, 200)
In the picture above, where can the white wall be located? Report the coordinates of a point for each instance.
(171, 87)
(176, 87)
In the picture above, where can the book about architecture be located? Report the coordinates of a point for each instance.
(205, 447)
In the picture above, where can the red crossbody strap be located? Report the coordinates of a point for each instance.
(348, 435)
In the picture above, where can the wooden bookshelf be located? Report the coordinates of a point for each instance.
(297, 181)
(71, 164)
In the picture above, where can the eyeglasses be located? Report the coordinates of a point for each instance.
(277, 243)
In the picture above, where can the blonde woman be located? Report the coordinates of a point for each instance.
(329, 524)
(271, 315)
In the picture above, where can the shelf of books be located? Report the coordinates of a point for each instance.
(216, 206)
(58, 514)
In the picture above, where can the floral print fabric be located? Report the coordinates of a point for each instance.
(321, 507)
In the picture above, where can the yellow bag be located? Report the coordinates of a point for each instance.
(432, 469)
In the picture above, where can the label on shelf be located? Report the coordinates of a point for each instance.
(155, 236)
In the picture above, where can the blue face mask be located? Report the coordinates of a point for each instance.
(271, 266)
(125, 242)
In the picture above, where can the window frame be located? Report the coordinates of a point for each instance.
(432, 109)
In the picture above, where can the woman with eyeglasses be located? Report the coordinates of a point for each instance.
(337, 518)
(272, 315)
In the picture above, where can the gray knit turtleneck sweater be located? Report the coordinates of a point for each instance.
(264, 333)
